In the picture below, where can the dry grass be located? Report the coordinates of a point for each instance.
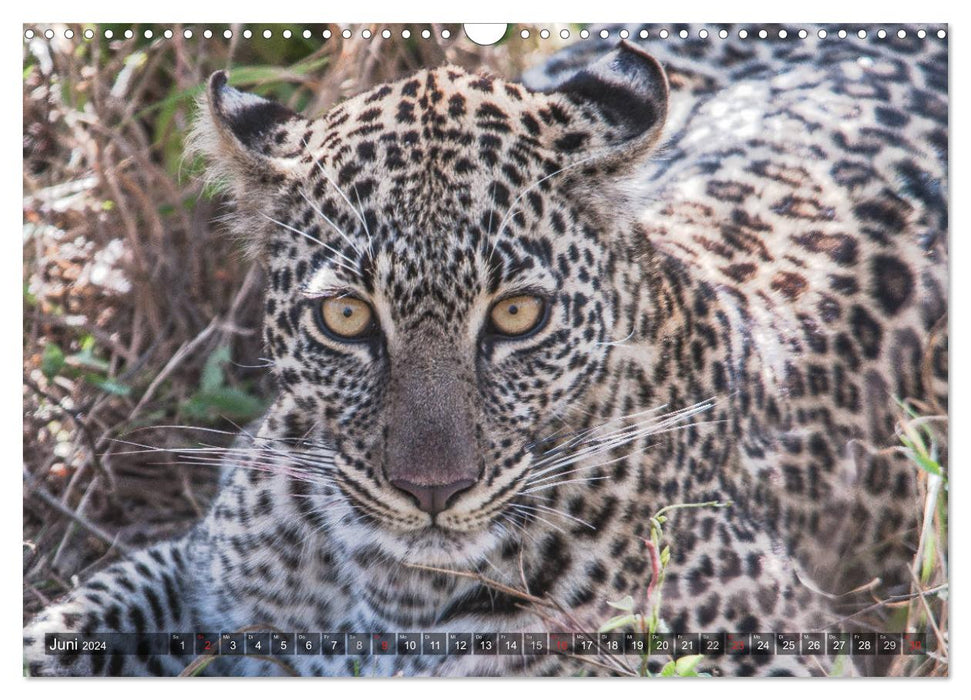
(130, 289)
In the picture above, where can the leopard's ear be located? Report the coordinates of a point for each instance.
(252, 146)
(622, 99)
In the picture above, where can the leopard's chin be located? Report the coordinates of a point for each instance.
(439, 547)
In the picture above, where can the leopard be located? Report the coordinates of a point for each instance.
(511, 322)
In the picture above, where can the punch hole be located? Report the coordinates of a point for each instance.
(861, 33)
(307, 34)
(148, 34)
(841, 33)
(129, 33)
(68, 33)
(803, 33)
(287, 34)
(743, 33)
(207, 34)
(723, 34)
(683, 33)
(783, 34)
(89, 34)
(941, 34)
(901, 34)
(604, 34)
(405, 33)
(564, 33)
(167, 33)
(821, 33)
(921, 33)
(643, 34)
(663, 33)
(228, 34)
(703, 34)
(485, 34)
(247, 33)
(366, 34)
(29, 34)
(446, 34)
(763, 34)
(425, 34)
(584, 34)
(544, 34)
(882, 34)
(327, 34)
(346, 33)
(49, 34)
(524, 34)
(624, 33)
(386, 34)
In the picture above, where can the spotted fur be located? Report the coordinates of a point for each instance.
(770, 268)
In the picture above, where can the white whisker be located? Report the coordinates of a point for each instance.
(554, 511)
(333, 184)
(367, 231)
(351, 266)
(334, 226)
(561, 483)
(617, 342)
(559, 529)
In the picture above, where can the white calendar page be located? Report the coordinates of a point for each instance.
(395, 349)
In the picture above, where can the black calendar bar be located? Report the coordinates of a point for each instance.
(489, 643)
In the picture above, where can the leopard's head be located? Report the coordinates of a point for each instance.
(440, 254)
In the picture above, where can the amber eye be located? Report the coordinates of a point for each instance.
(346, 317)
(517, 316)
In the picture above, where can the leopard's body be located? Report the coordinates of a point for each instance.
(776, 257)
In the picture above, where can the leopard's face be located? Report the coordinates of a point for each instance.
(439, 259)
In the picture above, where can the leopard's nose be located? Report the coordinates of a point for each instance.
(433, 499)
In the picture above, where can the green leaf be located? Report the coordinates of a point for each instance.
(29, 298)
(215, 399)
(109, 386)
(52, 361)
(669, 670)
(626, 603)
(213, 377)
(930, 556)
(686, 664)
(224, 402)
(919, 457)
(86, 357)
(618, 622)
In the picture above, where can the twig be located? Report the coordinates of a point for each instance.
(886, 602)
(47, 498)
(941, 644)
(599, 664)
(183, 352)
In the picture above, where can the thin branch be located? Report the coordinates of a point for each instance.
(54, 503)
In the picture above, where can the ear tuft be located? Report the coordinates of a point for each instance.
(248, 117)
(251, 146)
(629, 90)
